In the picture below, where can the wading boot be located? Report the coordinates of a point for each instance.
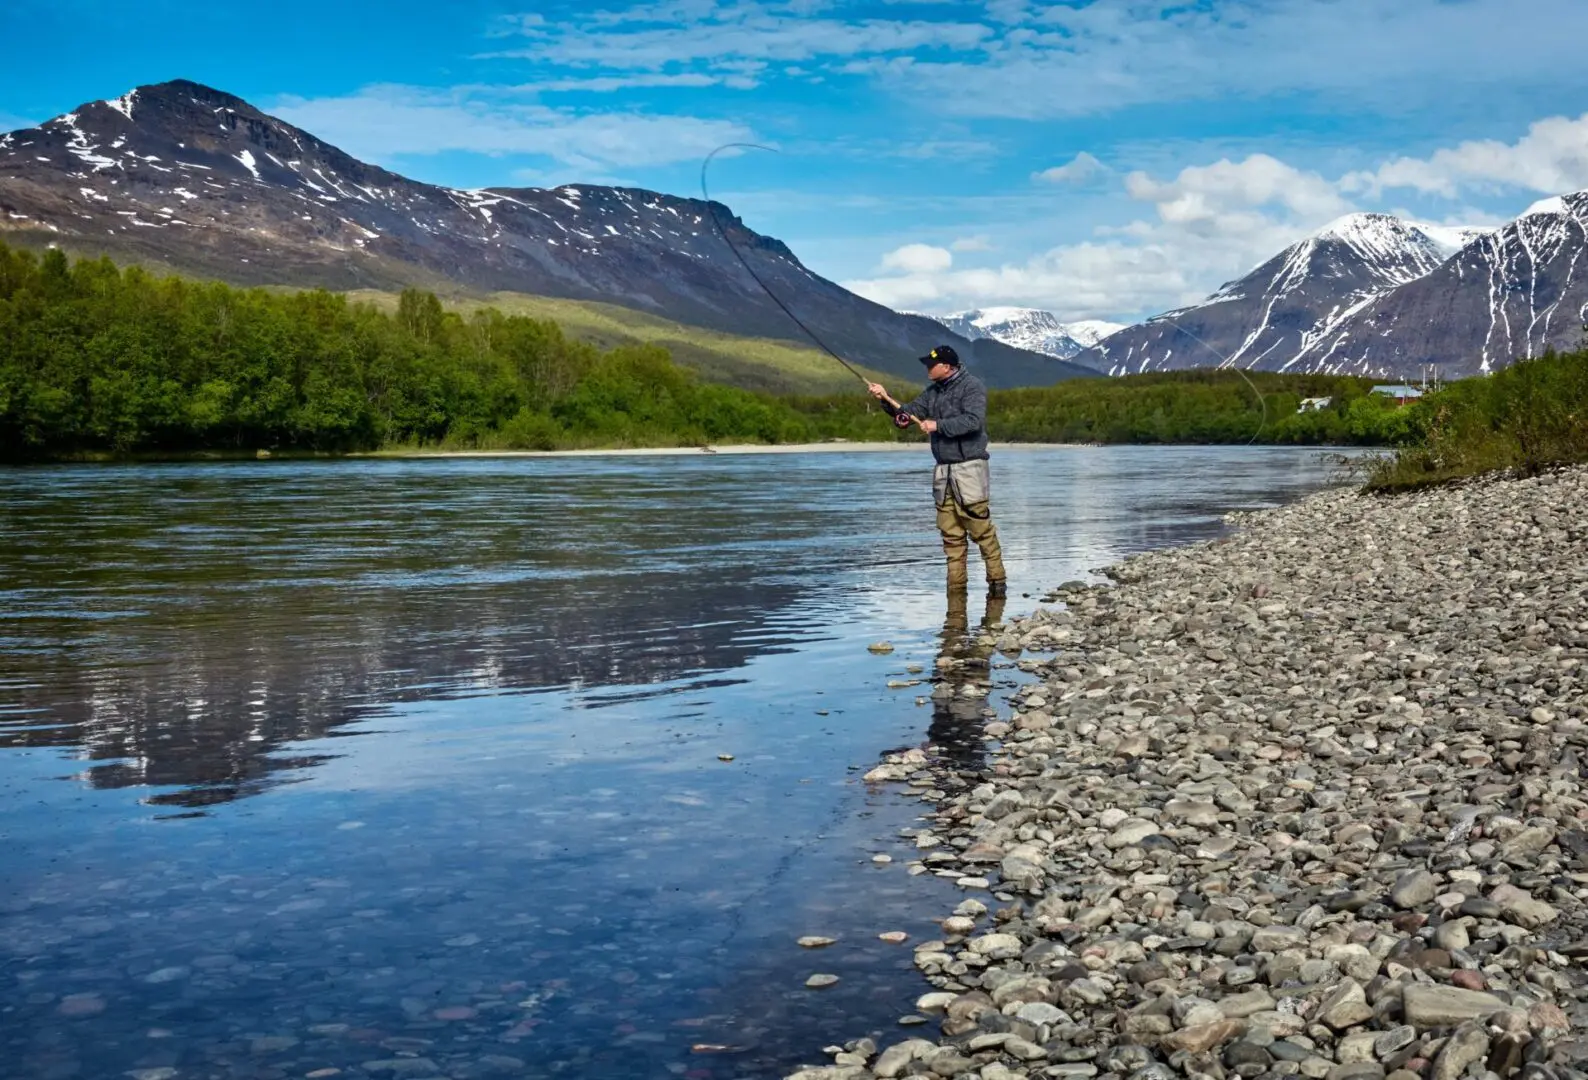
(998, 589)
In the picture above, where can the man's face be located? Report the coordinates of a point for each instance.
(939, 371)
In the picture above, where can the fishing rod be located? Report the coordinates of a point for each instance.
(711, 208)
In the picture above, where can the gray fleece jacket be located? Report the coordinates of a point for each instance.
(959, 405)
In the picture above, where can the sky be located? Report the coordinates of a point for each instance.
(1097, 158)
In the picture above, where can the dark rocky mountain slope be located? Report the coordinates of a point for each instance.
(1374, 295)
(1516, 292)
(187, 178)
(1275, 315)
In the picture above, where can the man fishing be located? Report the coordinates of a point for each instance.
(953, 410)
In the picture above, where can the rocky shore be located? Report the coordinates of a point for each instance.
(1307, 800)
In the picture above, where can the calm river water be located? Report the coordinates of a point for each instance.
(411, 767)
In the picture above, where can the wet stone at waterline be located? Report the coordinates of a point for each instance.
(392, 766)
(1307, 800)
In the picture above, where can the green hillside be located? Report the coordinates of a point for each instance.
(759, 364)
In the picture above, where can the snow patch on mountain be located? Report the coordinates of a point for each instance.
(1028, 328)
(1089, 332)
(1555, 204)
(1396, 251)
(123, 104)
(1452, 238)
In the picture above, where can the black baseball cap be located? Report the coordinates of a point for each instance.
(943, 354)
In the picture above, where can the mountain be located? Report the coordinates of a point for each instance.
(1453, 237)
(1512, 292)
(1275, 316)
(1088, 332)
(182, 177)
(1028, 328)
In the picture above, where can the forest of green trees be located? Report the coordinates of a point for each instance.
(101, 361)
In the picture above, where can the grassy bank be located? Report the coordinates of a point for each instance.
(1525, 418)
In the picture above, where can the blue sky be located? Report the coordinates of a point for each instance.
(1102, 159)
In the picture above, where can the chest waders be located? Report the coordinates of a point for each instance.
(962, 494)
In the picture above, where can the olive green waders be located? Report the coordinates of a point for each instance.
(961, 491)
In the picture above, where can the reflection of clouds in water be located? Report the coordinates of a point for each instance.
(243, 657)
(536, 770)
(918, 612)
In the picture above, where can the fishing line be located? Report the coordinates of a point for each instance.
(711, 208)
(1229, 363)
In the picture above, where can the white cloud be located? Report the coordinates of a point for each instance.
(1209, 223)
(966, 151)
(1011, 58)
(1219, 195)
(1081, 169)
(1551, 158)
(1088, 280)
(382, 122)
(653, 37)
(979, 242)
(1058, 60)
(606, 84)
(918, 259)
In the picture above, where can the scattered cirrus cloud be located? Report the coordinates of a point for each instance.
(383, 122)
(1008, 58)
(658, 36)
(608, 84)
(1061, 60)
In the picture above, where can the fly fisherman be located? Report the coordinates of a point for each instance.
(953, 410)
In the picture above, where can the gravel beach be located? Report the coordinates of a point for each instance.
(1306, 800)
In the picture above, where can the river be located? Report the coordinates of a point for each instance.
(417, 767)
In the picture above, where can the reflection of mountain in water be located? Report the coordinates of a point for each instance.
(182, 628)
(207, 707)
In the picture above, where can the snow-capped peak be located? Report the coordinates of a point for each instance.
(991, 316)
(1028, 328)
(1452, 238)
(1089, 332)
(123, 104)
(1380, 237)
(1363, 226)
(1555, 204)
(1389, 249)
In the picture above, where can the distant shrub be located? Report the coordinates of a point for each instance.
(1523, 418)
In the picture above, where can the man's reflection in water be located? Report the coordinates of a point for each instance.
(956, 718)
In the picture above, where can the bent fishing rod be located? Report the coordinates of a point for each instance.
(711, 208)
